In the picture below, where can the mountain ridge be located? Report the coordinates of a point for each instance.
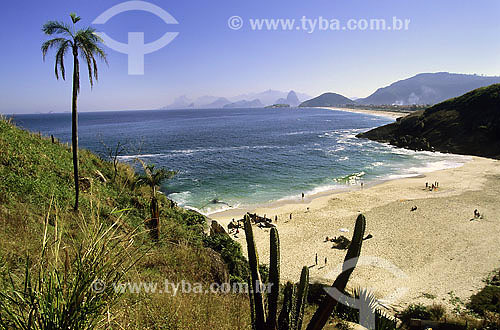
(468, 124)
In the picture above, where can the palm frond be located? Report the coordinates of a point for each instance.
(74, 18)
(89, 43)
(56, 27)
(84, 40)
(52, 43)
(60, 59)
(91, 65)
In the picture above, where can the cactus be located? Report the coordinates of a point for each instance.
(274, 278)
(292, 311)
(301, 299)
(325, 309)
(285, 318)
(253, 261)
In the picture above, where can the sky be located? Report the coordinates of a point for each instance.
(209, 58)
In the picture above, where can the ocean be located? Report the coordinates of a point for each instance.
(244, 157)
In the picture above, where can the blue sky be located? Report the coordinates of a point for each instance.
(208, 58)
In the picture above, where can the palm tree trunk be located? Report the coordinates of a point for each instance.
(74, 124)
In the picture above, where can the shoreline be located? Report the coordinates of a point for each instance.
(436, 247)
(298, 203)
(379, 113)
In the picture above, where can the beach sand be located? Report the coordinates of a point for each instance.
(381, 113)
(413, 255)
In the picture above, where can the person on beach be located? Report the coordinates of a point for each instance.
(276, 219)
(427, 185)
(362, 185)
(326, 260)
(302, 196)
(316, 259)
(290, 216)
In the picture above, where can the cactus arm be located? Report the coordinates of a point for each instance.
(301, 299)
(252, 304)
(322, 314)
(284, 318)
(274, 279)
(253, 261)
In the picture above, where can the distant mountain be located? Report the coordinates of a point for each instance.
(291, 99)
(469, 124)
(218, 103)
(327, 100)
(182, 102)
(270, 96)
(245, 104)
(428, 88)
(266, 98)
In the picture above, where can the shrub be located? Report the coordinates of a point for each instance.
(230, 252)
(437, 311)
(415, 311)
(488, 299)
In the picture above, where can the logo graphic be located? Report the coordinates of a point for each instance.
(98, 286)
(365, 303)
(235, 22)
(135, 48)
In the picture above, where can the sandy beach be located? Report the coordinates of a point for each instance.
(381, 113)
(414, 256)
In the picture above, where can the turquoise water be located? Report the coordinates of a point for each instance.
(247, 156)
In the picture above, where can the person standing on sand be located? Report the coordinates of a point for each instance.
(316, 259)
(290, 216)
(276, 219)
(326, 260)
(303, 196)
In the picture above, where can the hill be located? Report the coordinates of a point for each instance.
(327, 100)
(245, 104)
(36, 193)
(291, 99)
(469, 125)
(427, 88)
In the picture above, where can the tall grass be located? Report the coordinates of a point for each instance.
(65, 287)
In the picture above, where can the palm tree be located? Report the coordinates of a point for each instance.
(87, 44)
(153, 178)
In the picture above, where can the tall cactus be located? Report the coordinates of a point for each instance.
(292, 311)
(301, 299)
(274, 278)
(285, 318)
(256, 285)
(326, 308)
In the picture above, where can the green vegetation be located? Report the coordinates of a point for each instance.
(50, 255)
(488, 299)
(292, 312)
(37, 189)
(87, 44)
(153, 178)
(469, 124)
(415, 311)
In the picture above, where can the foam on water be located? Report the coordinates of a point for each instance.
(247, 156)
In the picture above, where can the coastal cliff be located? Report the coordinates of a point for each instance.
(469, 125)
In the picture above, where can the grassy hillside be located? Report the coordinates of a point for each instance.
(36, 189)
(469, 124)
